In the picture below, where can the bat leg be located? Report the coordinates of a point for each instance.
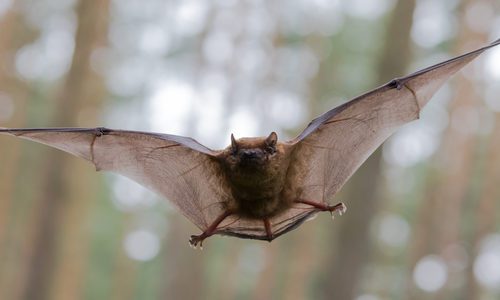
(269, 232)
(198, 239)
(340, 207)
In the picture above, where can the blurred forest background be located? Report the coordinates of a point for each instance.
(424, 211)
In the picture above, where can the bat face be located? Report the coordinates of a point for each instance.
(252, 154)
(256, 170)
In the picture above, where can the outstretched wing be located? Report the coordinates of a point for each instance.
(336, 143)
(179, 168)
(176, 167)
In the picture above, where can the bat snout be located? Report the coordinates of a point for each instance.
(251, 154)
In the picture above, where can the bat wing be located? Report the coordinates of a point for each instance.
(179, 168)
(176, 167)
(336, 143)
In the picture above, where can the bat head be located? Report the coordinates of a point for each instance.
(252, 152)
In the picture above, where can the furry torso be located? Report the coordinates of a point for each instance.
(257, 187)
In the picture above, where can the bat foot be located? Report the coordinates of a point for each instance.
(341, 208)
(196, 240)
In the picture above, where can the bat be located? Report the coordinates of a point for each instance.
(258, 188)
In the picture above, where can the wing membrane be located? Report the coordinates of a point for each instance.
(336, 143)
(176, 167)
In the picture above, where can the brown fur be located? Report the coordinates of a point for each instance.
(257, 186)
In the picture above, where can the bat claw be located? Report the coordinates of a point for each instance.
(344, 208)
(196, 240)
(100, 131)
(341, 208)
(396, 83)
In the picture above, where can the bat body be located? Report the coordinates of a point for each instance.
(258, 188)
(256, 171)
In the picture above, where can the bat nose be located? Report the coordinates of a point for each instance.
(250, 154)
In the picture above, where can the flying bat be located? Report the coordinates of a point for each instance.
(258, 188)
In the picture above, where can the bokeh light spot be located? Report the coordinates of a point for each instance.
(154, 40)
(430, 273)
(487, 263)
(190, 17)
(286, 109)
(218, 48)
(142, 245)
(493, 63)
(129, 195)
(410, 145)
(487, 269)
(170, 105)
(48, 58)
(433, 23)
(367, 297)
(243, 123)
(393, 230)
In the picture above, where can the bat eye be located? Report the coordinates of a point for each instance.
(270, 150)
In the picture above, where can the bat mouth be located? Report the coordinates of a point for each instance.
(252, 158)
(249, 162)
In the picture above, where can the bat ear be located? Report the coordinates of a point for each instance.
(234, 145)
(272, 139)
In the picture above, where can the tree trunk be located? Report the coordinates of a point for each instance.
(13, 35)
(57, 265)
(451, 194)
(353, 242)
